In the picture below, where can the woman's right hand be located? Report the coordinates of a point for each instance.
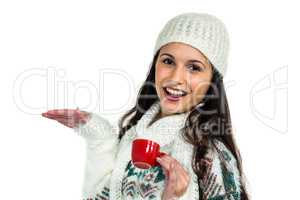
(68, 117)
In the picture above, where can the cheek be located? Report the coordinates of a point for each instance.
(161, 72)
(160, 75)
(199, 88)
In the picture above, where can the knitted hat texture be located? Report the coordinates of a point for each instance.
(202, 31)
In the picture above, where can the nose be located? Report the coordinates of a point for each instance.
(178, 75)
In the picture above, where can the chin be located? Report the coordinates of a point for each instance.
(171, 107)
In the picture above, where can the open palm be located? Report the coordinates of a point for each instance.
(68, 117)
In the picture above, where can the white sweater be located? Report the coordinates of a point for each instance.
(110, 175)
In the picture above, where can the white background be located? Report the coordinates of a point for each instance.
(46, 46)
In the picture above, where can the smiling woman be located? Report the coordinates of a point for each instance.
(182, 106)
(183, 75)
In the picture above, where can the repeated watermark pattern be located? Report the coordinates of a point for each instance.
(272, 88)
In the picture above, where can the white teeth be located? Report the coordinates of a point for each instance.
(175, 92)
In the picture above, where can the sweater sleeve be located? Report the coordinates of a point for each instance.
(222, 178)
(101, 148)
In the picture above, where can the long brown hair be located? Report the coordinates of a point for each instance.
(213, 112)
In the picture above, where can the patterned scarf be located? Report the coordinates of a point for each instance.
(127, 182)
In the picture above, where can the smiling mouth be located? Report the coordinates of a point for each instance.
(174, 94)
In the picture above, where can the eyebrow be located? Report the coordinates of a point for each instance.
(167, 54)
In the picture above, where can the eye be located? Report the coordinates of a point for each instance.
(167, 61)
(195, 68)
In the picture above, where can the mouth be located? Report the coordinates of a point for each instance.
(173, 94)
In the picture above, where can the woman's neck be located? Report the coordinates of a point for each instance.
(157, 117)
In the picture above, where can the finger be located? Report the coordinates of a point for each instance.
(55, 117)
(59, 118)
(68, 123)
(171, 182)
(170, 159)
(182, 173)
(183, 178)
(52, 116)
(173, 187)
(61, 112)
(172, 176)
(73, 122)
(178, 180)
(56, 111)
(165, 167)
(47, 116)
(164, 163)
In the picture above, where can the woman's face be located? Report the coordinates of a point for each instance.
(183, 75)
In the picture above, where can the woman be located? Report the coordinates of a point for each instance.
(182, 105)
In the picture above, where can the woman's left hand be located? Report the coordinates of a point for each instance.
(177, 178)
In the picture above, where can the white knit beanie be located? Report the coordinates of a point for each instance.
(202, 31)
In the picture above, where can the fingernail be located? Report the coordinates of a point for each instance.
(158, 159)
(172, 165)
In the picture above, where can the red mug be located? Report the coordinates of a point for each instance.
(144, 153)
